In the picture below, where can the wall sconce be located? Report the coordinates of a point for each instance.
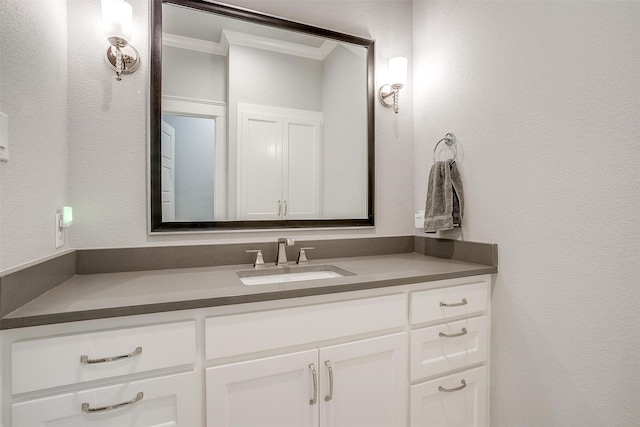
(117, 18)
(398, 78)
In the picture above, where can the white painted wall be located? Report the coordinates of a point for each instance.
(33, 88)
(191, 74)
(258, 76)
(543, 97)
(343, 91)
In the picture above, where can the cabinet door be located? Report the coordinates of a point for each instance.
(165, 401)
(301, 173)
(260, 172)
(274, 391)
(369, 381)
(458, 400)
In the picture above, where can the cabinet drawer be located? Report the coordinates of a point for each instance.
(165, 401)
(449, 401)
(253, 332)
(52, 362)
(462, 343)
(447, 303)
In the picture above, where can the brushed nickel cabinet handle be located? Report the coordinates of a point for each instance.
(285, 208)
(449, 390)
(328, 398)
(84, 359)
(314, 376)
(279, 208)
(458, 304)
(459, 334)
(89, 410)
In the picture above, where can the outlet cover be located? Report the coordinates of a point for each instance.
(59, 231)
(419, 219)
(4, 137)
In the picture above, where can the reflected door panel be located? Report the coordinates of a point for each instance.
(168, 177)
(260, 149)
(302, 168)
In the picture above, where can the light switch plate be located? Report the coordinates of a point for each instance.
(4, 137)
(59, 231)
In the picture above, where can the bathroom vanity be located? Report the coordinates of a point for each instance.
(403, 340)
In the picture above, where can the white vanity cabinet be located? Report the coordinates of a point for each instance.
(408, 355)
(138, 376)
(155, 402)
(360, 382)
(449, 355)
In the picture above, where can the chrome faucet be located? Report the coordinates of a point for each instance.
(281, 258)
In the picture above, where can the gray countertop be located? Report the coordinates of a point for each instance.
(96, 296)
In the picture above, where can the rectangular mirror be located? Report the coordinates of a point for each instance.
(257, 122)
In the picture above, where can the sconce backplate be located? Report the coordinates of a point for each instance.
(385, 92)
(130, 57)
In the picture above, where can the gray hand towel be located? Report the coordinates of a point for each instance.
(445, 203)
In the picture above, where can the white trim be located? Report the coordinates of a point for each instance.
(244, 107)
(265, 43)
(327, 47)
(230, 37)
(193, 107)
(197, 45)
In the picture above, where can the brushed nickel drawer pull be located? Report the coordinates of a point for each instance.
(328, 398)
(449, 390)
(84, 359)
(459, 334)
(86, 409)
(314, 376)
(458, 304)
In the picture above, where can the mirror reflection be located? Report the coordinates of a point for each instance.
(260, 125)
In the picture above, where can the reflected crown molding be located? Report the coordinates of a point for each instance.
(197, 45)
(249, 40)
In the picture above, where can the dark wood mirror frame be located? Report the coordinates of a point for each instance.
(156, 224)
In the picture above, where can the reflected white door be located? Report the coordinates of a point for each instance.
(301, 181)
(279, 163)
(260, 190)
(168, 172)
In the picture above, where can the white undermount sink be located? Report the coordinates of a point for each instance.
(291, 274)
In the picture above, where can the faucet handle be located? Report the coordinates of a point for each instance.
(259, 262)
(302, 256)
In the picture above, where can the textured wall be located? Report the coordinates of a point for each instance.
(543, 97)
(33, 84)
(108, 126)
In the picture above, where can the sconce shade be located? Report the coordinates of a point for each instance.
(398, 71)
(397, 80)
(117, 18)
(117, 23)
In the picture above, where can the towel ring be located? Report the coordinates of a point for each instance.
(450, 140)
